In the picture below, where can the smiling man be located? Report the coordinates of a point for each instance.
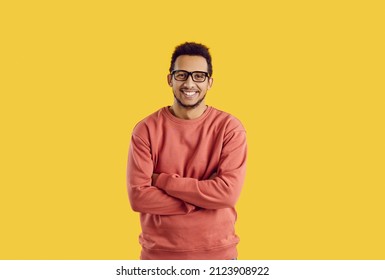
(186, 168)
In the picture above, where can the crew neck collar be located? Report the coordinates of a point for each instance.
(169, 115)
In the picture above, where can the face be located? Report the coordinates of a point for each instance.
(189, 94)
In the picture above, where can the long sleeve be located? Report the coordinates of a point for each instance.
(143, 197)
(220, 192)
(187, 209)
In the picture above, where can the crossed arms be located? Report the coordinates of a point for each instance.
(170, 194)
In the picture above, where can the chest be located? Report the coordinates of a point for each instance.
(187, 152)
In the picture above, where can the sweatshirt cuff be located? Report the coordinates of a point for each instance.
(190, 207)
(163, 180)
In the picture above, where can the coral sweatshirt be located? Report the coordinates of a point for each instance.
(188, 213)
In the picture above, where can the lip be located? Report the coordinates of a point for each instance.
(188, 96)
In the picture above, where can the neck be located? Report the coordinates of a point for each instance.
(188, 113)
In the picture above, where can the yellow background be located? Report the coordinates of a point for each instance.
(306, 78)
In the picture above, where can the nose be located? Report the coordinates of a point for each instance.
(189, 82)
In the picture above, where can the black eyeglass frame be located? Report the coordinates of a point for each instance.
(190, 74)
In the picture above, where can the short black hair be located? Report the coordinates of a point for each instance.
(191, 48)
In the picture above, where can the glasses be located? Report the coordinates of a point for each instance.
(197, 76)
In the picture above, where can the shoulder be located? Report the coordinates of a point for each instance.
(143, 128)
(228, 121)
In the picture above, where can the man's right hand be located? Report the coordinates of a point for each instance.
(154, 177)
(213, 176)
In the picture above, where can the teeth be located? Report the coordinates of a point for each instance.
(189, 93)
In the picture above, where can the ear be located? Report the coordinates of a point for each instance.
(210, 84)
(169, 80)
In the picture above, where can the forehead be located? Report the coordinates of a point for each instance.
(191, 63)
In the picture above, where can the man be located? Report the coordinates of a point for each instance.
(186, 168)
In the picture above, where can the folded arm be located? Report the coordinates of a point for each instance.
(223, 190)
(144, 197)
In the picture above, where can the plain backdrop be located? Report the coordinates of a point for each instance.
(306, 78)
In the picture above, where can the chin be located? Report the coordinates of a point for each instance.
(194, 104)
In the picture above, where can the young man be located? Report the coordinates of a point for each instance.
(186, 168)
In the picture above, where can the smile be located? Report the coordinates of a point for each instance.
(189, 93)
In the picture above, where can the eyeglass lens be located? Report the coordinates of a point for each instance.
(197, 76)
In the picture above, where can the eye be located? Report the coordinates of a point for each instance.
(180, 75)
(199, 76)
